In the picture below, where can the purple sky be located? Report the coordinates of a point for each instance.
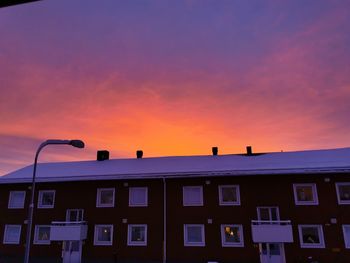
(173, 77)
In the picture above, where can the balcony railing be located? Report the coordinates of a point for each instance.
(272, 231)
(69, 230)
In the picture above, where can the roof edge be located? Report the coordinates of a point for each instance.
(321, 170)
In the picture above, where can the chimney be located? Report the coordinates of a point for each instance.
(102, 155)
(214, 151)
(139, 154)
(249, 150)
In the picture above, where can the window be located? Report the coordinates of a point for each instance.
(137, 235)
(74, 215)
(346, 232)
(138, 196)
(192, 195)
(105, 197)
(42, 235)
(16, 199)
(103, 235)
(232, 236)
(229, 195)
(12, 234)
(311, 236)
(305, 194)
(46, 199)
(268, 214)
(194, 236)
(343, 193)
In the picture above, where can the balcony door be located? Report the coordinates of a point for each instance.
(75, 215)
(270, 252)
(268, 213)
(72, 249)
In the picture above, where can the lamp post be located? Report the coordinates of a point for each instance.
(75, 143)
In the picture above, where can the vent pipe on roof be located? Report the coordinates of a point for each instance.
(139, 154)
(102, 155)
(249, 150)
(215, 150)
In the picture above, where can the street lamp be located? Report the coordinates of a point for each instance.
(74, 143)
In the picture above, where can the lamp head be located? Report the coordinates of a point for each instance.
(77, 143)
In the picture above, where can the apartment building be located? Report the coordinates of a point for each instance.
(267, 208)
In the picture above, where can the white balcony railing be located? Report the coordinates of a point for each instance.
(276, 231)
(63, 231)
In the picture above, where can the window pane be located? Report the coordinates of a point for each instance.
(229, 194)
(310, 235)
(47, 199)
(304, 193)
(138, 196)
(104, 234)
(274, 215)
(106, 196)
(80, 216)
(71, 246)
(12, 234)
(192, 195)
(264, 214)
(66, 246)
(232, 234)
(44, 233)
(138, 234)
(17, 199)
(344, 192)
(75, 246)
(275, 249)
(194, 234)
(73, 215)
(347, 236)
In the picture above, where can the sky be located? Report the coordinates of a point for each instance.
(172, 77)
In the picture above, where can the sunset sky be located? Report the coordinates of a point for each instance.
(173, 77)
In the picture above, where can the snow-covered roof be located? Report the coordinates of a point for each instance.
(301, 162)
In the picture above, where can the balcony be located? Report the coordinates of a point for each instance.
(72, 231)
(272, 231)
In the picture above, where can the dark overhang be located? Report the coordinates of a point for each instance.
(4, 3)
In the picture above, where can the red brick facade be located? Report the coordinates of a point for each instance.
(258, 190)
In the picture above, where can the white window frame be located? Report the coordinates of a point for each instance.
(36, 240)
(346, 240)
(314, 194)
(230, 244)
(130, 196)
(102, 243)
(98, 197)
(194, 244)
(40, 196)
(228, 203)
(341, 202)
(136, 243)
(186, 203)
(320, 236)
(19, 236)
(9, 206)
